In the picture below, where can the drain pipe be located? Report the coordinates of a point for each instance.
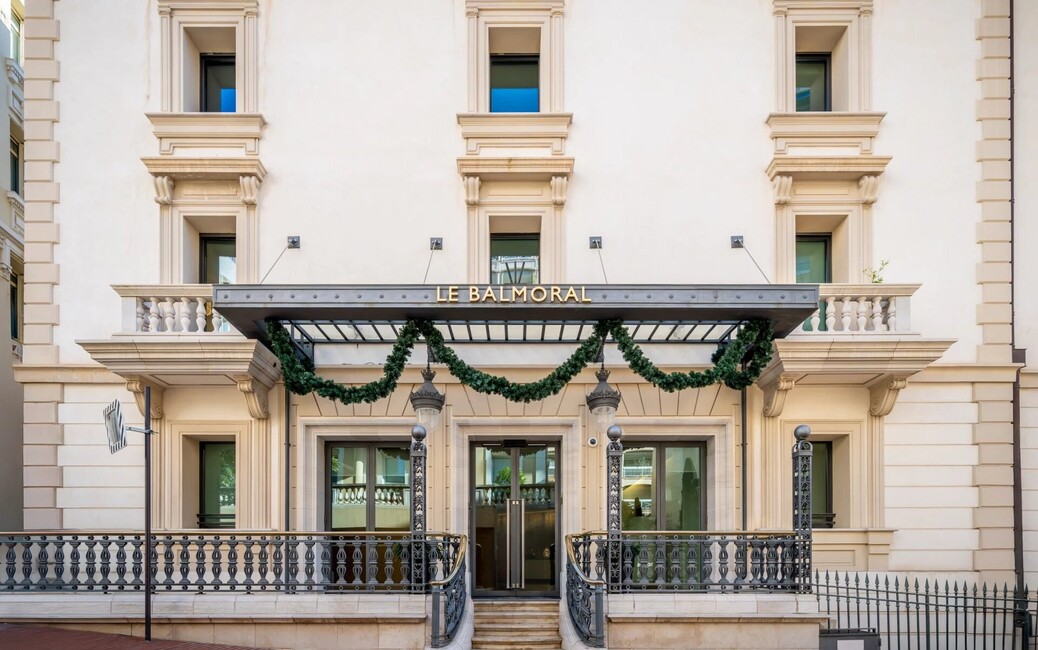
(743, 444)
(1019, 356)
(288, 461)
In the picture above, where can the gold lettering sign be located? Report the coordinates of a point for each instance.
(513, 294)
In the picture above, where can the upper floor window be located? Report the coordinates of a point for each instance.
(813, 82)
(217, 94)
(814, 259)
(218, 262)
(16, 166)
(15, 301)
(515, 258)
(514, 83)
(663, 487)
(16, 38)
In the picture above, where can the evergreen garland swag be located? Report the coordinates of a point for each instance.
(752, 347)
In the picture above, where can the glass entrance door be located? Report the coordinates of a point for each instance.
(514, 500)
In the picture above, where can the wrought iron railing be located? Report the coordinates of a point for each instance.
(247, 562)
(535, 494)
(911, 614)
(693, 561)
(449, 597)
(584, 597)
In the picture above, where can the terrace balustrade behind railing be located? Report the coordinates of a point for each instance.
(234, 561)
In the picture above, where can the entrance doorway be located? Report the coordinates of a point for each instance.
(514, 524)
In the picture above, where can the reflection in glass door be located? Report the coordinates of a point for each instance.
(513, 519)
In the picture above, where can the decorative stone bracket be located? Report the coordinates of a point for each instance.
(136, 385)
(883, 394)
(775, 395)
(256, 393)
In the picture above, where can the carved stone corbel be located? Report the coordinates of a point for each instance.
(559, 184)
(163, 190)
(783, 186)
(883, 394)
(256, 393)
(136, 385)
(775, 395)
(471, 190)
(250, 186)
(867, 187)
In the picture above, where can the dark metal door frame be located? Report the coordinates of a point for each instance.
(514, 553)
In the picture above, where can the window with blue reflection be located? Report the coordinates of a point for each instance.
(813, 82)
(218, 90)
(515, 83)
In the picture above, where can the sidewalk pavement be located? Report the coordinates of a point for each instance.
(31, 637)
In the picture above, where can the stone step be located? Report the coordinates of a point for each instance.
(539, 625)
(516, 644)
(517, 633)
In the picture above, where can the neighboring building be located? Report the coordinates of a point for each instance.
(12, 269)
(860, 146)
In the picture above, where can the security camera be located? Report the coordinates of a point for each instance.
(592, 442)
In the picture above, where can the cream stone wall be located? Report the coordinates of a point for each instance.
(355, 149)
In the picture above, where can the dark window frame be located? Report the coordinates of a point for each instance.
(659, 479)
(825, 237)
(512, 59)
(16, 306)
(818, 57)
(204, 61)
(369, 482)
(207, 519)
(203, 252)
(515, 237)
(16, 149)
(825, 517)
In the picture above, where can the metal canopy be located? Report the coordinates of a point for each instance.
(320, 314)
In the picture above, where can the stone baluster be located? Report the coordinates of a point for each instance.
(830, 313)
(892, 315)
(877, 314)
(142, 324)
(816, 319)
(154, 316)
(217, 321)
(863, 310)
(200, 314)
(185, 314)
(170, 312)
(845, 314)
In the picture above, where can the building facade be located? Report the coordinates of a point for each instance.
(869, 148)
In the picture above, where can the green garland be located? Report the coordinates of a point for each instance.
(752, 347)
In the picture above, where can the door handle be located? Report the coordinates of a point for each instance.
(508, 544)
(522, 535)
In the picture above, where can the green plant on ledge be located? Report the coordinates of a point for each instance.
(875, 276)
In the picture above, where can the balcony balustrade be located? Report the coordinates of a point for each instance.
(170, 309)
(15, 92)
(848, 309)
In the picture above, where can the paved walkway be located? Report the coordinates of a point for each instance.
(29, 637)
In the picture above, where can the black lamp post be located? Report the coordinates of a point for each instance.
(427, 403)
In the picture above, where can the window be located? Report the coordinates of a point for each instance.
(515, 259)
(16, 306)
(216, 485)
(822, 515)
(369, 487)
(663, 487)
(218, 265)
(514, 83)
(813, 82)
(16, 166)
(16, 38)
(814, 259)
(218, 91)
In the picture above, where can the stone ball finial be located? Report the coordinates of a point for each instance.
(802, 432)
(418, 432)
(614, 432)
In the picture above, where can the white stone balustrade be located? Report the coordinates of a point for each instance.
(16, 91)
(846, 309)
(170, 309)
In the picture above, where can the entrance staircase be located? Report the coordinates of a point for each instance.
(516, 625)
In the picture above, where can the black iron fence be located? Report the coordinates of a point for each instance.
(283, 562)
(693, 561)
(912, 614)
(449, 598)
(585, 597)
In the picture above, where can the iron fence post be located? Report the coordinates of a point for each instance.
(802, 507)
(614, 505)
(418, 463)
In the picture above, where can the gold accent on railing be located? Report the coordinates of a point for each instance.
(458, 563)
(576, 566)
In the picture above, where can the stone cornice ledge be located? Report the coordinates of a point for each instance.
(540, 168)
(827, 167)
(824, 125)
(882, 364)
(235, 132)
(537, 132)
(205, 168)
